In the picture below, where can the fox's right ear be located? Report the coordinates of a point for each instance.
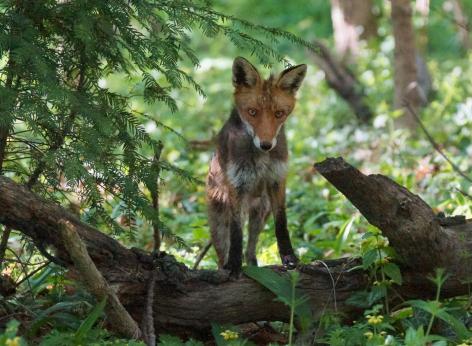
(291, 78)
(244, 74)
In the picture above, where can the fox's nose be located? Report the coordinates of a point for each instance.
(266, 146)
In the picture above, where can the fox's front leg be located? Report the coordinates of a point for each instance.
(235, 256)
(277, 200)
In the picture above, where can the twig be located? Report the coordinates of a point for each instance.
(120, 320)
(149, 333)
(23, 268)
(465, 194)
(202, 254)
(24, 262)
(333, 283)
(435, 144)
(30, 274)
(343, 82)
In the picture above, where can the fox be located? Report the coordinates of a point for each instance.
(247, 173)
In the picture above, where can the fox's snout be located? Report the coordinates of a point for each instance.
(264, 142)
(264, 145)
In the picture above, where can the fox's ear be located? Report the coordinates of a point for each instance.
(291, 78)
(244, 74)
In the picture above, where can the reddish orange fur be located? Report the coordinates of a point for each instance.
(248, 171)
(267, 98)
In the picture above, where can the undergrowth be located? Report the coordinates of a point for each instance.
(90, 146)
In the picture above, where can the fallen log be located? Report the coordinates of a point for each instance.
(190, 300)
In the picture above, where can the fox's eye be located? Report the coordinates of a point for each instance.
(252, 112)
(279, 114)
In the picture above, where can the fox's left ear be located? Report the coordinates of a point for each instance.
(291, 78)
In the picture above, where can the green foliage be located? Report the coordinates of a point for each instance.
(9, 337)
(95, 337)
(91, 90)
(436, 309)
(228, 336)
(284, 288)
(379, 329)
(75, 139)
(168, 340)
(88, 323)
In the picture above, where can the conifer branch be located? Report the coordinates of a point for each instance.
(59, 139)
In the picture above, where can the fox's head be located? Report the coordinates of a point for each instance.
(264, 105)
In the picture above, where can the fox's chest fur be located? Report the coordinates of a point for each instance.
(244, 167)
(250, 174)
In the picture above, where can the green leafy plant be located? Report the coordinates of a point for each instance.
(88, 323)
(285, 290)
(9, 336)
(91, 148)
(86, 334)
(437, 309)
(168, 340)
(377, 260)
(228, 336)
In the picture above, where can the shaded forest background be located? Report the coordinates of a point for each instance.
(148, 174)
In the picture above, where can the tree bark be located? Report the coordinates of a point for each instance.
(405, 219)
(462, 24)
(190, 300)
(407, 89)
(118, 317)
(353, 21)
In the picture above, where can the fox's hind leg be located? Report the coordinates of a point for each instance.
(258, 213)
(219, 211)
(219, 216)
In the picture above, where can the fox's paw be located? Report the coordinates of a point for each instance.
(289, 261)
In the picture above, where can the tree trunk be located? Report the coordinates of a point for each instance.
(462, 24)
(407, 90)
(353, 21)
(190, 300)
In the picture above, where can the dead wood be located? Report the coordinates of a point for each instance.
(405, 219)
(190, 300)
(118, 318)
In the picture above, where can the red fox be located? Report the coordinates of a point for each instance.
(248, 171)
